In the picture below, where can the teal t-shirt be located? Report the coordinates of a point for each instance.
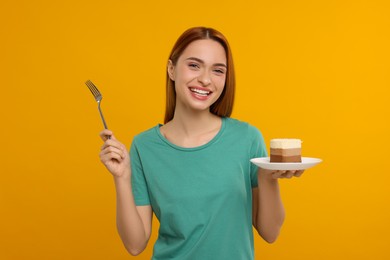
(201, 196)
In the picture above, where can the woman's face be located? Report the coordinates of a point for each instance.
(199, 75)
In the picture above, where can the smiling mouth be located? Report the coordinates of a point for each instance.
(200, 92)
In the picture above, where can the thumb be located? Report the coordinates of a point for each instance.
(105, 134)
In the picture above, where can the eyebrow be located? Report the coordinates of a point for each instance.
(201, 61)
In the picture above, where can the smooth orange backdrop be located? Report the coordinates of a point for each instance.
(314, 70)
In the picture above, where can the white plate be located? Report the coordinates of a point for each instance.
(307, 162)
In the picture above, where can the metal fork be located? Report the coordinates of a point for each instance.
(98, 98)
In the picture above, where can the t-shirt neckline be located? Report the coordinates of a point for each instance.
(189, 149)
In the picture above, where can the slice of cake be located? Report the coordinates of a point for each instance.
(285, 150)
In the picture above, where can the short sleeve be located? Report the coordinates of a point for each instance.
(138, 181)
(258, 149)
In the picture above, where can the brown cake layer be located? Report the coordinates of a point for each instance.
(286, 152)
(281, 158)
(285, 155)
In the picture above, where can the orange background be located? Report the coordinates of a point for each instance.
(314, 70)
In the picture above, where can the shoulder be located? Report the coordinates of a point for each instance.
(247, 135)
(146, 136)
(242, 127)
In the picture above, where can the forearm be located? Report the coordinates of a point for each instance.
(271, 212)
(129, 223)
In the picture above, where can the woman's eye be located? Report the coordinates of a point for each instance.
(193, 65)
(219, 71)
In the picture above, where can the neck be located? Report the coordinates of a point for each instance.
(194, 122)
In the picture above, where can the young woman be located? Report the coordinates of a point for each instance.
(194, 172)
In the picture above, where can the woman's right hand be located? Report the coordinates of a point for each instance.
(114, 155)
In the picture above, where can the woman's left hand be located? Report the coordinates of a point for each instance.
(282, 174)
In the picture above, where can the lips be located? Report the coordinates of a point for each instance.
(200, 91)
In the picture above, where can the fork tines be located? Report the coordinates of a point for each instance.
(93, 89)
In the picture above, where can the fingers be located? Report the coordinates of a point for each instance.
(278, 174)
(287, 174)
(106, 157)
(112, 148)
(299, 173)
(114, 152)
(113, 142)
(105, 134)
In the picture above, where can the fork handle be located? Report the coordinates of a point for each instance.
(104, 121)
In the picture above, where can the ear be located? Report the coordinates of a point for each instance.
(171, 70)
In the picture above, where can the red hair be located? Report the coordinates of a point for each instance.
(223, 107)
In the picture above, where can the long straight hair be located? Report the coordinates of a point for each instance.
(223, 107)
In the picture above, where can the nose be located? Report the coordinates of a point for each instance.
(204, 78)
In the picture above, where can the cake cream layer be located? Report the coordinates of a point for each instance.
(280, 158)
(286, 152)
(285, 143)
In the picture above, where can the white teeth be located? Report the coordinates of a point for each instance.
(200, 92)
